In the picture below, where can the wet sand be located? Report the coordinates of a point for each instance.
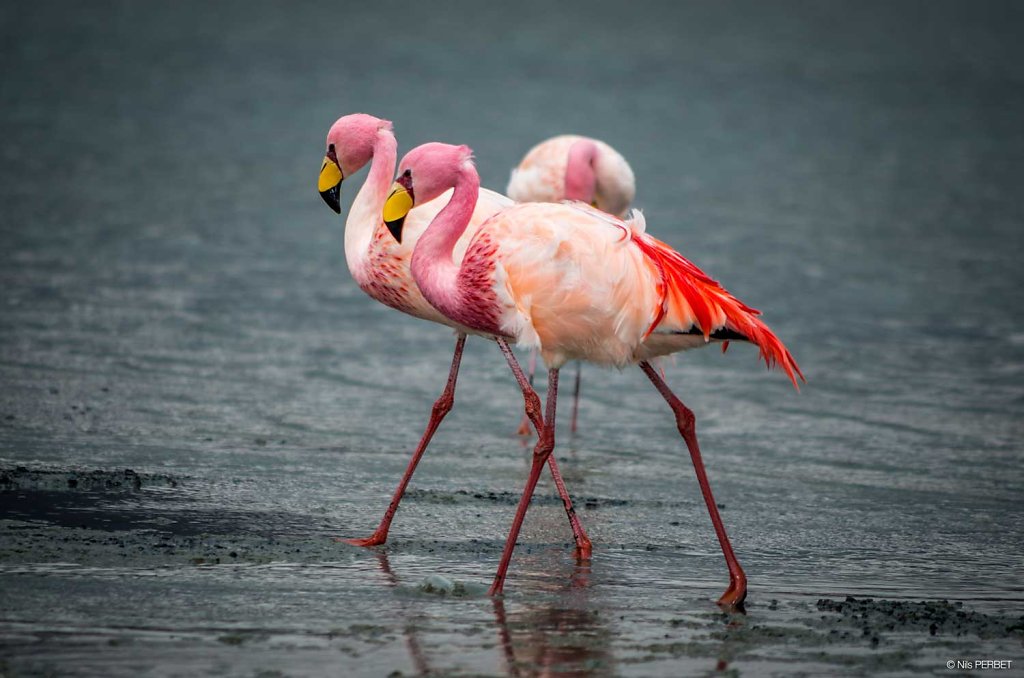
(120, 572)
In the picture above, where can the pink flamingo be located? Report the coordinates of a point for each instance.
(380, 266)
(572, 167)
(577, 284)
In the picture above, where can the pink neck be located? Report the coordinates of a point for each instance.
(580, 181)
(435, 271)
(364, 217)
(382, 172)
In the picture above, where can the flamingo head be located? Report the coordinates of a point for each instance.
(425, 172)
(580, 179)
(596, 174)
(350, 144)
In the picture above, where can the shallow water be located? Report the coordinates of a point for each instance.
(175, 302)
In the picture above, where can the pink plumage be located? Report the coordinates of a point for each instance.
(577, 168)
(574, 167)
(379, 264)
(572, 281)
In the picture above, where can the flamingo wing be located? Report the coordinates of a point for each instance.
(693, 303)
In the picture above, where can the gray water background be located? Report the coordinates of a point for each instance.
(174, 300)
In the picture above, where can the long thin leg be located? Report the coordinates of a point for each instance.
(541, 453)
(583, 545)
(576, 396)
(524, 423)
(442, 406)
(685, 422)
(530, 397)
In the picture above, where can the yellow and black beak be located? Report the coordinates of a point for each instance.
(330, 180)
(398, 205)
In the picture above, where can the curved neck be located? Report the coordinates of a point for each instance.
(580, 180)
(364, 215)
(433, 268)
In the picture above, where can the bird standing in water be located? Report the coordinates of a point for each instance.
(380, 266)
(572, 167)
(576, 284)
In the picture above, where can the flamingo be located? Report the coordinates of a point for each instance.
(380, 265)
(576, 284)
(572, 167)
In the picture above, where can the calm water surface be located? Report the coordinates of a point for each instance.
(174, 301)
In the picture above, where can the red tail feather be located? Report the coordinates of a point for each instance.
(697, 299)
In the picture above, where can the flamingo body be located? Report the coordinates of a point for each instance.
(572, 281)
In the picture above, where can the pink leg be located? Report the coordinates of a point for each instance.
(541, 453)
(685, 422)
(530, 397)
(576, 396)
(442, 406)
(524, 424)
(583, 545)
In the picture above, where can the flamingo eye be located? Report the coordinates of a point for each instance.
(405, 181)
